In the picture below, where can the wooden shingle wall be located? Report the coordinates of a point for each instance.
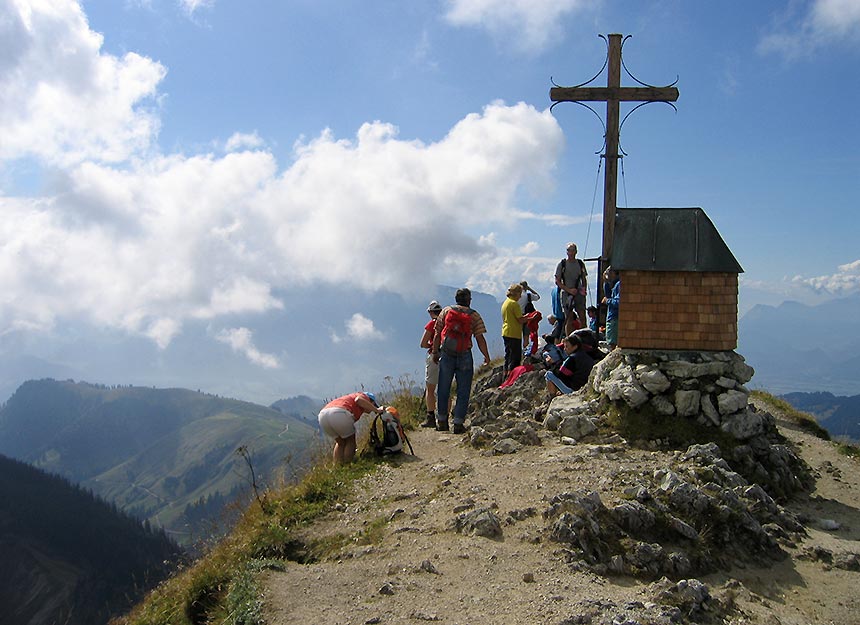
(678, 310)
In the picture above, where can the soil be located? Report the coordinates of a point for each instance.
(417, 567)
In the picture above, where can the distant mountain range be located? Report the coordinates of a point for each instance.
(164, 455)
(321, 347)
(799, 348)
(839, 415)
(69, 557)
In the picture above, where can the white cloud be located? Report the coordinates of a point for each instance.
(845, 281)
(530, 25)
(61, 99)
(826, 22)
(358, 328)
(361, 328)
(241, 341)
(244, 141)
(157, 240)
(191, 6)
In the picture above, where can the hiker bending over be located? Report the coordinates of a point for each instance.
(572, 373)
(452, 349)
(431, 367)
(337, 419)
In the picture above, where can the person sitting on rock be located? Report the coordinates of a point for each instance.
(572, 374)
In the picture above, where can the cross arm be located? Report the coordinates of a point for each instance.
(622, 94)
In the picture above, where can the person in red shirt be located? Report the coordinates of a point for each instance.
(337, 420)
(431, 367)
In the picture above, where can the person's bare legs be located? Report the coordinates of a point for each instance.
(344, 449)
(430, 397)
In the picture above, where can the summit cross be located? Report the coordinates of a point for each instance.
(613, 93)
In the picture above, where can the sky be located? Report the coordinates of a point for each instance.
(171, 162)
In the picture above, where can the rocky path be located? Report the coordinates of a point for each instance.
(433, 550)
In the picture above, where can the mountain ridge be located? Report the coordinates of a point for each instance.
(152, 451)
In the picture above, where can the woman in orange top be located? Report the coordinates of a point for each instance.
(337, 419)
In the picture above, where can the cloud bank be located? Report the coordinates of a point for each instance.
(133, 239)
(845, 281)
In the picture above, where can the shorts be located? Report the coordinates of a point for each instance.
(337, 422)
(431, 371)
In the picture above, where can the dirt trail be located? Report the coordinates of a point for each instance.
(421, 569)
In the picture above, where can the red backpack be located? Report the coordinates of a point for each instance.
(457, 331)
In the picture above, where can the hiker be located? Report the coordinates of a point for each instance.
(572, 373)
(557, 333)
(452, 349)
(337, 420)
(527, 296)
(591, 311)
(612, 298)
(431, 367)
(513, 321)
(571, 279)
(531, 327)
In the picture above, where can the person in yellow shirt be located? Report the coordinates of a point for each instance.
(512, 328)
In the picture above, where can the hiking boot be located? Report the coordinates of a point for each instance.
(430, 421)
(459, 428)
(442, 426)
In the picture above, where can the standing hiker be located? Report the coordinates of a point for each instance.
(512, 328)
(452, 349)
(571, 279)
(431, 367)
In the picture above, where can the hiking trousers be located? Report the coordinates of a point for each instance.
(461, 368)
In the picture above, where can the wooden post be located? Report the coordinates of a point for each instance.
(613, 94)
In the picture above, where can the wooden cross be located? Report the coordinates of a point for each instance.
(612, 94)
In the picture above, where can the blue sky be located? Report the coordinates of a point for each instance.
(164, 162)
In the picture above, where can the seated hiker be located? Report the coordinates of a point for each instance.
(337, 420)
(572, 374)
(557, 332)
(590, 343)
(550, 354)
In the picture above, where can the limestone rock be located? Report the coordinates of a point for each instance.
(732, 401)
(652, 379)
(687, 403)
(576, 427)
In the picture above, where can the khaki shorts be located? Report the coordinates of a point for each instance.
(431, 371)
(337, 422)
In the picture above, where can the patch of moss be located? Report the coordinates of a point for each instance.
(646, 424)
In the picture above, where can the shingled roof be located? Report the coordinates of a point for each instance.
(669, 239)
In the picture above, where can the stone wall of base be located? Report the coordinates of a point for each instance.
(706, 386)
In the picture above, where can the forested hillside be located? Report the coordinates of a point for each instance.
(154, 452)
(68, 556)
